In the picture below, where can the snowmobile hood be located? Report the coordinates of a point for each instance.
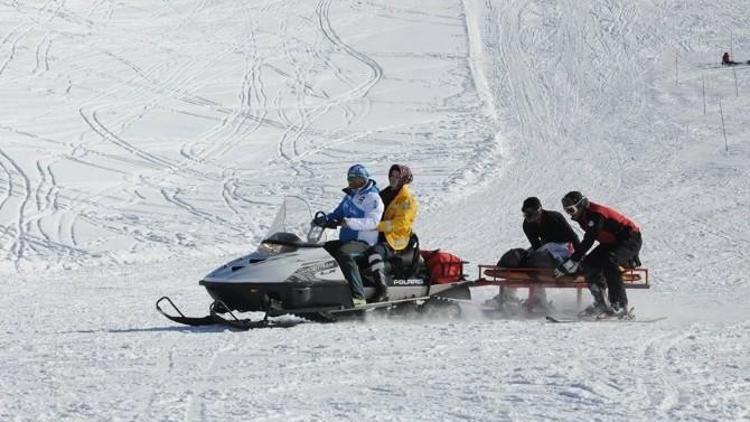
(257, 268)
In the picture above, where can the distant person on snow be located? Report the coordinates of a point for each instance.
(396, 226)
(619, 244)
(726, 61)
(358, 214)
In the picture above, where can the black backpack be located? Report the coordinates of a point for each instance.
(521, 258)
(514, 258)
(540, 259)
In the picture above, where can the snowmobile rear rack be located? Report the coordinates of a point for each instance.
(531, 278)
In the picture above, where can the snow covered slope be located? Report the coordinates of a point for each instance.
(143, 143)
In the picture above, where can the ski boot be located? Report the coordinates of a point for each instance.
(381, 288)
(621, 311)
(598, 309)
(505, 301)
(493, 303)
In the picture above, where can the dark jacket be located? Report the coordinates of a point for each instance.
(387, 195)
(605, 225)
(551, 228)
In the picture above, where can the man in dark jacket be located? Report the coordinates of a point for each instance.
(547, 231)
(551, 239)
(619, 244)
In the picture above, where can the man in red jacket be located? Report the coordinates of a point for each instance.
(619, 244)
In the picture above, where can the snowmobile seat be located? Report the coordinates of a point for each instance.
(404, 263)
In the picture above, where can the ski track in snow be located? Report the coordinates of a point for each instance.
(143, 144)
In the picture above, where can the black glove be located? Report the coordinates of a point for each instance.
(332, 224)
(320, 220)
(566, 268)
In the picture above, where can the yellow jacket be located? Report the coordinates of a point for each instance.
(398, 219)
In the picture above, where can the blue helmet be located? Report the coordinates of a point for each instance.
(358, 171)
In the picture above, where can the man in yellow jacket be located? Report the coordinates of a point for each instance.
(394, 227)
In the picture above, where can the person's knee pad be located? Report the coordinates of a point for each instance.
(376, 263)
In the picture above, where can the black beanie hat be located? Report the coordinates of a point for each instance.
(531, 203)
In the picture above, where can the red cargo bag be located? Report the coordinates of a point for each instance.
(444, 267)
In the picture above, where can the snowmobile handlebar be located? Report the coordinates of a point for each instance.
(318, 225)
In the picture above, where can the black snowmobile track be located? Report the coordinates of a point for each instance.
(329, 314)
(315, 314)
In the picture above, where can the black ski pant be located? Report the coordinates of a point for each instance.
(605, 260)
(346, 255)
(377, 257)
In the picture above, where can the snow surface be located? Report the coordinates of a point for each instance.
(144, 143)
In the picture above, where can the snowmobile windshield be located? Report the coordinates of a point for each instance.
(291, 228)
(279, 243)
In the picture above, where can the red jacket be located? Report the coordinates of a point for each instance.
(605, 225)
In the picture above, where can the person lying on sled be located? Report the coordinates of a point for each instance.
(359, 214)
(619, 244)
(396, 226)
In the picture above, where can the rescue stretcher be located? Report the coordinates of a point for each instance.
(533, 278)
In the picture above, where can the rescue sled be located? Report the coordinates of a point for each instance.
(533, 278)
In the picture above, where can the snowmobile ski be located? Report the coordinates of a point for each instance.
(182, 319)
(213, 318)
(556, 320)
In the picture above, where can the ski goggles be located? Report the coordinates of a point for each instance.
(572, 209)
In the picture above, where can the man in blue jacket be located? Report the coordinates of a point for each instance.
(359, 214)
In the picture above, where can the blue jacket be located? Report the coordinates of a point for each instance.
(361, 210)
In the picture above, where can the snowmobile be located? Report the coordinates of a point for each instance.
(289, 275)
